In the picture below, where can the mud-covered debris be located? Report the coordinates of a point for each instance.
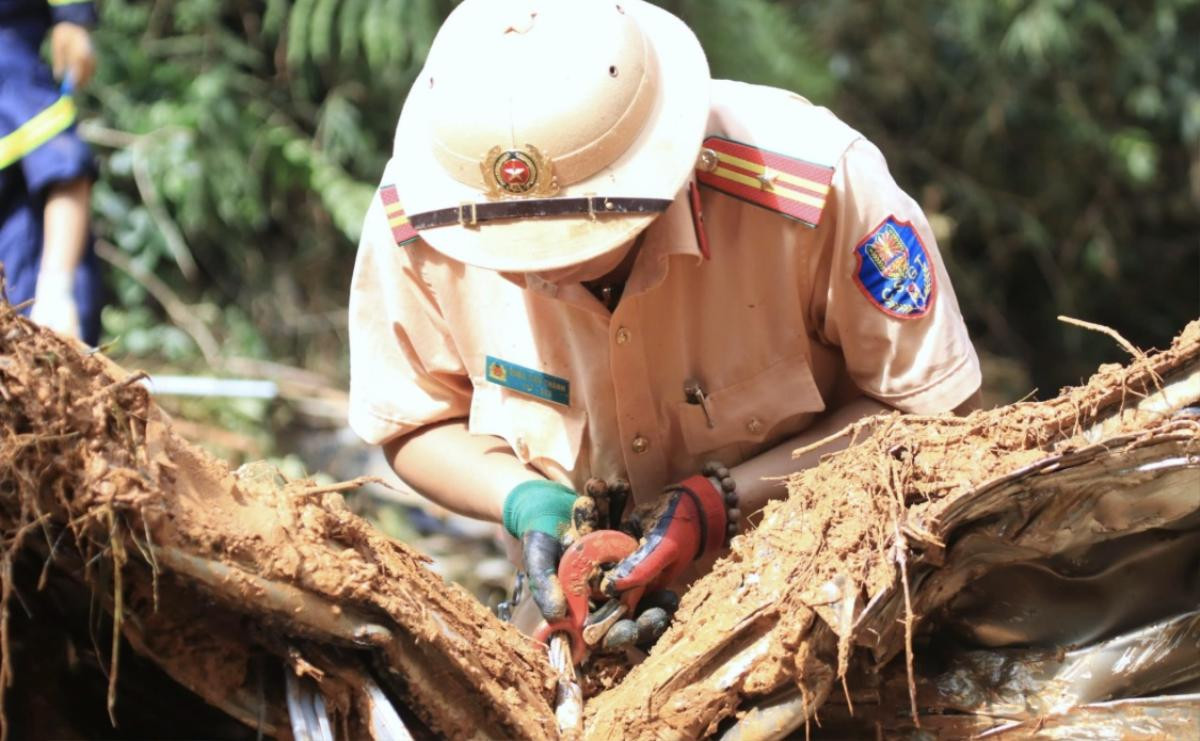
(207, 569)
(876, 543)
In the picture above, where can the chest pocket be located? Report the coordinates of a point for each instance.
(776, 402)
(533, 429)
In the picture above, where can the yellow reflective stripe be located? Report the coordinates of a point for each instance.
(57, 3)
(399, 220)
(787, 177)
(779, 190)
(37, 131)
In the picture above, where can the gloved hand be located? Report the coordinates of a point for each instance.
(71, 54)
(54, 303)
(691, 518)
(537, 513)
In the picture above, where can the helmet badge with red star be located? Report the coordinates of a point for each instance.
(518, 172)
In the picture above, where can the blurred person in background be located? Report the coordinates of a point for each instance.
(46, 170)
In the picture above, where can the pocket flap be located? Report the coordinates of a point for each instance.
(750, 410)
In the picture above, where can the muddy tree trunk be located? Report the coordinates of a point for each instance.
(209, 572)
(204, 569)
(861, 550)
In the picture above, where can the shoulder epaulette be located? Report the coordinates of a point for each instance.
(792, 187)
(402, 230)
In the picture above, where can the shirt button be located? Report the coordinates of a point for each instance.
(640, 445)
(754, 427)
(623, 336)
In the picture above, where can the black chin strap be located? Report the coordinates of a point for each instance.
(470, 214)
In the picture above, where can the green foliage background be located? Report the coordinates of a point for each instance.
(1055, 144)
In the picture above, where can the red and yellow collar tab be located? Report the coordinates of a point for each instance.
(402, 230)
(785, 185)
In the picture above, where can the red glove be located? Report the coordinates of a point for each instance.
(691, 518)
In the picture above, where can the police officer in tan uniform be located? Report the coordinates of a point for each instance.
(588, 259)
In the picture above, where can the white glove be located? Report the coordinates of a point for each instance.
(54, 303)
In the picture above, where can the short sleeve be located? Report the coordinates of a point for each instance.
(890, 306)
(79, 12)
(404, 370)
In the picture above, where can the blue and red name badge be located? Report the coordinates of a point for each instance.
(527, 381)
(894, 271)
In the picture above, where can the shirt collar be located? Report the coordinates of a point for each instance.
(672, 233)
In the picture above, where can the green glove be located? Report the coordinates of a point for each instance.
(537, 513)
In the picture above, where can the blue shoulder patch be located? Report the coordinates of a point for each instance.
(894, 271)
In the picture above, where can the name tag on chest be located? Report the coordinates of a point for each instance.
(528, 381)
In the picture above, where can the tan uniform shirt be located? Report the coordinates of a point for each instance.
(770, 326)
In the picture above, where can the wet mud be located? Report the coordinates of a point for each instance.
(208, 569)
(217, 575)
(823, 582)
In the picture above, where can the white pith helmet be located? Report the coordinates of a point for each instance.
(543, 133)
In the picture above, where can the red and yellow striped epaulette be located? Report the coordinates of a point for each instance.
(785, 185)
(402, 230)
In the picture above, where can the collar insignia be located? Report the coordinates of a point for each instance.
(402, 230)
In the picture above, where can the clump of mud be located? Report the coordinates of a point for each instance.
(826, 571)
(211, 572)
(205, 569)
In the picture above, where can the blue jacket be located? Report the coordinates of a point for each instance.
(38, 147)
(45, 13)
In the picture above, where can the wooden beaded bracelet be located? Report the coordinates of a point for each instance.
(719, 474)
